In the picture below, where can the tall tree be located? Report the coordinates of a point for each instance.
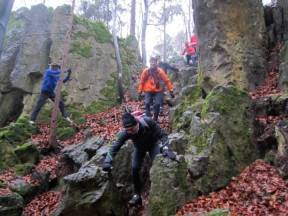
(143, 33)
(133, 18)
(169, 10)
(5, 11)
(117, 52)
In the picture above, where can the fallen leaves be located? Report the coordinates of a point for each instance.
(44, 204)
(258, 190)
(268, 88)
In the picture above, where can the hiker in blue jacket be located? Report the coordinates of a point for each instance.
(145, 134)
(50, 79)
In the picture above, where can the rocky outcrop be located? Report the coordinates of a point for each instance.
(218, 132)
(231, 42)
(36, 36)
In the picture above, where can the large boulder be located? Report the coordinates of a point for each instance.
(219, 133)
(11, 204)
(90, 191)
(283, 68)
(169, 186)
(231, 42)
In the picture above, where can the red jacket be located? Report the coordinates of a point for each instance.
(189, 49)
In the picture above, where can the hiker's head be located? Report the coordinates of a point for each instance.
(130, 123)
(55, 66)
(153, 62)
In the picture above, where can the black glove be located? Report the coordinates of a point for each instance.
(140, 96)
(107, 167)
(166, 152)
(172, 94)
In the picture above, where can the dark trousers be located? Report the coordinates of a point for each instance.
(137, 160)
(42, 100)
(158, 101)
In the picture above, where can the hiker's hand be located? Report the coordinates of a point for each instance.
(140, 96)
(172, 94)
(107, 167)
(69, 71)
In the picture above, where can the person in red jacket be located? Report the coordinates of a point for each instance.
(190, 52)
(150, 84)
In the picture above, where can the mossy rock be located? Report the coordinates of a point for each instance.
(11, 204)
(23, 169)
(82, 48)
(95, 29)
(169, 186)
(220, 129)
(27, 153)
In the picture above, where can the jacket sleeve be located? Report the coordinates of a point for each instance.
(166, 79)
(158, 132)
(122, 137)
(142, 80)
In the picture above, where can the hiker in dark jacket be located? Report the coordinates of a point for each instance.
(50, 79)
(145, 134)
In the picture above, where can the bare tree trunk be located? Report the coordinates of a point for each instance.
(186, 25)
(53, 125)
(133, 18)
(117, 52)
(5, 11)
(164, 26)
(189, 18)
(143, 35)
(284, 5)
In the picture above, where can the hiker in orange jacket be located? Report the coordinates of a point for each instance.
(190, 52)
(150, 84)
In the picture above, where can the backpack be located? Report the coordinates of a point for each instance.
(139, 116)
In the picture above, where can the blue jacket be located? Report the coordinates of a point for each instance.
(50, 80)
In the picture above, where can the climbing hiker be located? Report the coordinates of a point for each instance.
(50, 79)
(166, 67)
(191, 55)
(150, 84)
(146, 135)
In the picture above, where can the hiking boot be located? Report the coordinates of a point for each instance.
(135, 200)
(69, 120)
(32, 122)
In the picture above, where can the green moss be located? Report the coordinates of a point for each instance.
(27, 153)
(216, 101)
(95, 29)
(17, 132)
(82, 48)
(218, 212)
(2, 184)
(23, 169)
(14, 23)
(188, 99)
(65, 133)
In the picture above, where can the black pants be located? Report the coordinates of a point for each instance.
(137, 160)
(158, 101)
(42, 100)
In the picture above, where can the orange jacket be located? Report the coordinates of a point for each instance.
(148, 84)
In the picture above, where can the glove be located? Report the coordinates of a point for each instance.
(107, 167)
(140, 96)
(172, 94)
(166, 152)
(69, 71)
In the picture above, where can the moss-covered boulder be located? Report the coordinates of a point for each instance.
(14, 134)
(219, 132)
(11, 204)
(27, 153)
(218, 212)
(283, 68)
(169, 186)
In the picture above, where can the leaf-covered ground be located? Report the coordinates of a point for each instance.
(104, 124)
(258, 191)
